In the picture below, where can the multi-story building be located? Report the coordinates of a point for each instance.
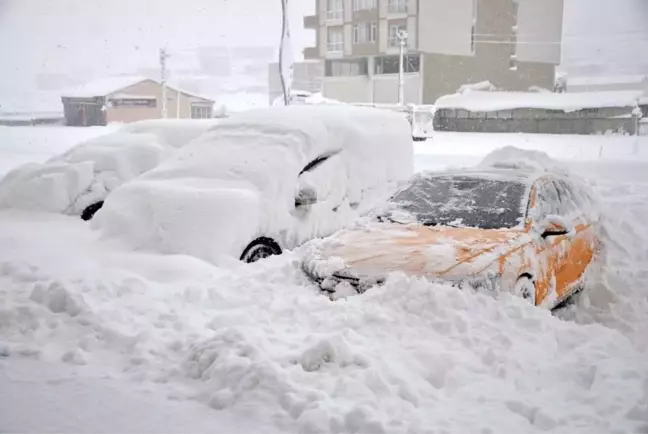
(514, 44)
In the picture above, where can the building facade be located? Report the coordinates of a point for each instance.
(129, 99)
(514, 44)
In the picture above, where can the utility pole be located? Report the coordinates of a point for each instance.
(402, 42)
(163, 79)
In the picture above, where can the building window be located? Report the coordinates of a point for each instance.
(335, 10)
(361, 5)
(397, 6)
(335, 39)
(513, 63)
(364, 33)
(344, 68)
(391, 64)
(201, 112)
(394, 31)
(373, 36)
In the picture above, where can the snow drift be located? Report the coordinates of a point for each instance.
(87, 173)
(240, 181)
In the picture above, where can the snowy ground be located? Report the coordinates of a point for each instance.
(96, 338)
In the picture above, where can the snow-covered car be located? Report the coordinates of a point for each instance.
(517, 230)
(264, 181)
(78, 181)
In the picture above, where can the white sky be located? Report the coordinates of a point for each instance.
(89, 38)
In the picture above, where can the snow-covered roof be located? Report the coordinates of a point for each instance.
(109, 85)
(103, 86)
(603, 80)
(493, 101)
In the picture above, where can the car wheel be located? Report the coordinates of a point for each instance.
(260, 248)
(525, 288)
(91, 210)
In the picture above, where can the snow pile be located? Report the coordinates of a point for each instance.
(479, 101)
(87, 173)
(239, 181)
(510, 157)
(260, 340)
(485, 86)
(38, 144)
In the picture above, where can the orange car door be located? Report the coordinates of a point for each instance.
(553, 250)
(581, 245)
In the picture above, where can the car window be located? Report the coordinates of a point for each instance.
(325, 175)
(547, 201)
(568, 202)
(314, 164)
(464, 201)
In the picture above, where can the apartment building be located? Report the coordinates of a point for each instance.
(515, 44)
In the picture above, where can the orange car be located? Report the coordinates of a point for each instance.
(533, 234)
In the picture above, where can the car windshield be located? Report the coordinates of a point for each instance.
(459, 201)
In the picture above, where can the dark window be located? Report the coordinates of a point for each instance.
(463, 201)
(317, 162)
(390, 64)
(342, 68)
(547, 201)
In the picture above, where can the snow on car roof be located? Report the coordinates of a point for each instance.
(477, 101)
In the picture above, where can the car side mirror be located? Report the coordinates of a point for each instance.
(305, 197)
(554, 225)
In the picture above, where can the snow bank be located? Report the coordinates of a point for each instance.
(479, 101)
(87, 173)
(240, 180)
(510, 157)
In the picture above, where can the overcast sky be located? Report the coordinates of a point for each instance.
(87, 38)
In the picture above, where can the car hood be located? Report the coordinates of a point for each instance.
(437, 252)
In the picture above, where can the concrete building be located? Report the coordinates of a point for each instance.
(129, 99)
(514, 44)
(307, 76)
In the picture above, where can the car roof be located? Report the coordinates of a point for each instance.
(523, 175)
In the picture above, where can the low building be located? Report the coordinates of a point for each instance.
(129, 99)
(544, 113)
(307, 76)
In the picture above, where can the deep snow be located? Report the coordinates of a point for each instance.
(86, 320)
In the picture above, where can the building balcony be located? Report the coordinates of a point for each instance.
(311, 22)
(311, 53)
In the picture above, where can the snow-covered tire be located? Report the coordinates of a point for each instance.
(91, 210)
(260, 248)
(525, 288)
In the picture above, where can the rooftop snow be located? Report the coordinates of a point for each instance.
(104, 86)
(603, 80)
(109, 85)
(493, 101)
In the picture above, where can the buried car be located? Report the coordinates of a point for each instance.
(78, 181)
(264, 181)
(531, 233)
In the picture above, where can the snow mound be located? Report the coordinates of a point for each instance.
(45, 187)
(87, 173)
(510, 157)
